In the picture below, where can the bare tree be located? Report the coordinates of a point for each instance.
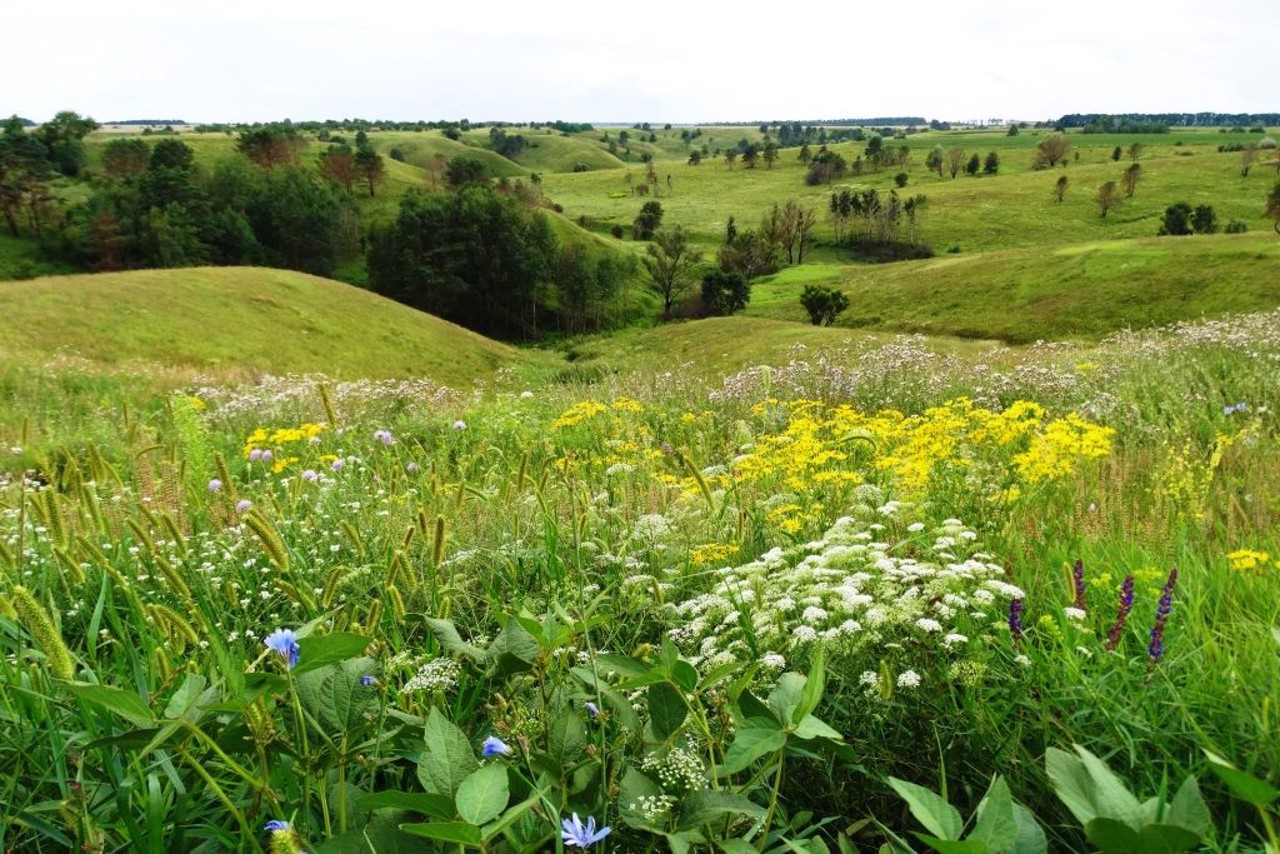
(955, 160)
(1108, 197)
(1248, 155)
(1060, 188)
(1130, 179)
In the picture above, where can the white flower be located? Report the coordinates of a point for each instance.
(773, 660)
(926, 625)
(1074, 614)
(915, 527)
(954, 639)
(909, 679)
(1022, 660)
(459, 425)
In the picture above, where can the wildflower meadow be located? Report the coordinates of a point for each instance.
(872, 598)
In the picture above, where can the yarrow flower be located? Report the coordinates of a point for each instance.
(575, 833)
(494, 746)
(285, 642)
(459, 425)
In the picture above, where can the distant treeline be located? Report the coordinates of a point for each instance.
(148, 122)
(354, 125)
(1118, 122)
(873, 122)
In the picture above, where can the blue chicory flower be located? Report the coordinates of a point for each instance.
(276, 826)
(592, 708)
(575, 833)
(494, 746)
(368, 681)
(285, 642)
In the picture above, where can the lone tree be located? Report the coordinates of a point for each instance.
(670, 262)
(725, 293)
(1130, 179)
(647, 221)
(1273, 205)
(1248, 155)
(1060, 188)
(933, 160)
(1135, 152)
(1051, 151)
(1116, 153)
(1108, 197)
(823, 304)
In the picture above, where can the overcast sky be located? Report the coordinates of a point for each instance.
(680, 61)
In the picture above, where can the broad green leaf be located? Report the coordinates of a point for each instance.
(447, 634)
(1113, 836)
(126, 704)
(426, 803)
(447, 759)
(682, 841)
(623, 665)
(514, 649)
(699, 808)
(617, 704)
(750, 706)
(510, 817)
(952, 846)
(786, 697)
(814, 685)
(1243, 785)
(667, 710)
(752, 742)
(483, 795)
(811, 727)
(568, 736)
(996, 826)
(1031, 838)
(1166, 839)
(1072, 784)
(735, 846)
(685, 675)
(939, 817)
(456, 832)
(631, 789)
(381, 834)
(333, 695)
(316, 652)
(1111, 796)
(187, 695)
(1188, 809)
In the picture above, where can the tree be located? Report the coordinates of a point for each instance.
(695, 158)
(751, 155)
(823, 304)
(462, 171)
(647, 221)
(955, 161)
(805, 154)
(901, 179)
(1204, 220)
(370, 167)
(725, 293)
(1273, 206)
(338, 166)
(124, 158)
(770, 154)
(670, 262)
(730, 157)
(1135, 151)
(270, 147)
(1051, 151)
(933, 160)
(1130, 179)
(991, 165)
(1248, 154)
(24, 174)
(975, 163)
(1060, 188)
(1176, 220)
(63, 140)
(1108, 197)
(1116, 154)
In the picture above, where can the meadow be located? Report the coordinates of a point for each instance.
(990, 567)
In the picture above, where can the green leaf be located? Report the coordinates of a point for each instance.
(814, 685)
(752, 742)
(457, 832)
(126, 704)
(435, 806)
(381, 834)
(568, 737)
(447, 759)
(447, 634)
(513, 650)
(188, 695)
(483, 795)
(623, 665)
(750, 706)
(996, 828)
(735, 846)
(938, 816)
(619, 705)
(333, 695)
(1113, 836)
(317, 652)
(1072, 784)
(1243, 785)
(685, 675)
(631, 789)
(667, 710)
(706, 806)
(1166, 839)
(786, 697)
(1188, 809)
(811, 727)
(1111, 796)
(1031, 838)
(952, 846)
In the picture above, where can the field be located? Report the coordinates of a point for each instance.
(285, 566)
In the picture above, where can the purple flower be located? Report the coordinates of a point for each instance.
(266, 456)
(310, 474)
(1077, 581)
(1155, 649)
(1015, 619)
(277, 826)
(1122, 612)
(215, 485)
(255, 455)
(592, 708)
(285, 642)
(494, 746)
(368, 680)
(575, 833)
(337, 465)
(384, 436)
(243, 505)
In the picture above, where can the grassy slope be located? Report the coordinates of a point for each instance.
(238, 318)
(1085, 290)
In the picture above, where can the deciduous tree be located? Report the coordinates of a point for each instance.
(1060, 188)
(670, 262)
(1051, 151)
(1130, 179)
(1108, 197)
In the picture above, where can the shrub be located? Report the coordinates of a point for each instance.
(900, 179)
(581, 167)
(725, 293)
(1236, 227)
(824, 304)
(617, 231)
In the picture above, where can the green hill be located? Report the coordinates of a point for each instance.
(1022, 295)
(238, 318)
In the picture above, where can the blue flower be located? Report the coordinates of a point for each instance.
(368, 680)
(592, 708)
(285, 642)
(494, 746)
(276, 826)
(575, 833)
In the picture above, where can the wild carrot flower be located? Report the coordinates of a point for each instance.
(285, 642)
(494, 746)
(1155, 649)
(575, 833)
(1015, 619)
(1122, 612)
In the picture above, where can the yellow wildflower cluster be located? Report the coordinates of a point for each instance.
(712, 553)
(1185, 476)
(1251, 560)
(582, 411)
(275, 439)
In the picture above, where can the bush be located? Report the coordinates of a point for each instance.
(396, 154)
(617, 231)
(900, 179)
(1176, 220)
(725, 293)
(647, 221)
(824, 304)
(1236, 227)
(581, 167)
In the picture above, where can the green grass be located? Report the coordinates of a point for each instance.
(238, 319)
(1021, 295)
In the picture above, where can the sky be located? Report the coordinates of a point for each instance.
(679, 61)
